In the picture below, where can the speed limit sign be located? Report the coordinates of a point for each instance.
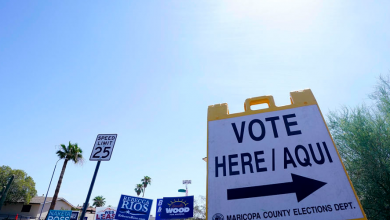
(104, 146)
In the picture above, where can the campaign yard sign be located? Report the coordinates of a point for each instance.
(177, 207)
(59, 215)
(74, 215)
(159, 209)
(105, 213)
(279, 162)
(135, 208)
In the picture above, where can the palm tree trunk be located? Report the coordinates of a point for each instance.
(53, 202)
(143, 192)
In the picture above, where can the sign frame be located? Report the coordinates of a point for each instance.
(298, 99)
(110, 147)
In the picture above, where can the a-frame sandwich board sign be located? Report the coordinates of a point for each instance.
(276, 163)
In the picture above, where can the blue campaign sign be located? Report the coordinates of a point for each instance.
(159, 209)
(74, 215)
(177, 207)
(59, 215)
(134, 208)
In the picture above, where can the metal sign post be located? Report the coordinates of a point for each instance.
(90, 190)
(186, 182)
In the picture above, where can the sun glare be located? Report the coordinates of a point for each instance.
(274, 13)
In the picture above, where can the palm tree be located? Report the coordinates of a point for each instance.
(146, 181)
(138, 189)
(72, 152)
(99, 201)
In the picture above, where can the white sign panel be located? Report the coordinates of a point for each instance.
(186, 181)
(103, 148)
(105, 213)
(277, 165)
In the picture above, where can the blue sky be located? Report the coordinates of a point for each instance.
(147, 70)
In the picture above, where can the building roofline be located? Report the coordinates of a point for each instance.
(67, 202)
(49, 201)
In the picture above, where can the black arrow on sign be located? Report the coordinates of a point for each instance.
(301, 186)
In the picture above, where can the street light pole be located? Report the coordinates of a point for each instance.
(186, 182)
(48, 188)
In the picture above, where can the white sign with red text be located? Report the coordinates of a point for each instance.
(105, 213)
